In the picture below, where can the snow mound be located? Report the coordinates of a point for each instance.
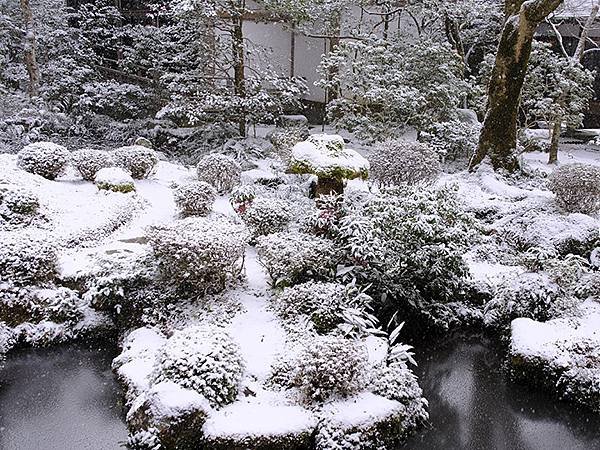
(322, 154)
(363, 410)
(242, 420)
(168, 399)
(548, 340)
(114, 176)
(134, 365)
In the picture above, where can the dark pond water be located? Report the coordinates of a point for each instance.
(62, 398)
(472, 406)
(66, 399)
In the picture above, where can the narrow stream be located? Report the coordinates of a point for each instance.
(62, 398)
(473, 406)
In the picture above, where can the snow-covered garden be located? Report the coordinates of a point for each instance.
(270, 286)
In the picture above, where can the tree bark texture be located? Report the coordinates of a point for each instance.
(498, 138)
(30, 48)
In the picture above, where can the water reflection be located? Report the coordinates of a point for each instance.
(472, 406)
(62, 398)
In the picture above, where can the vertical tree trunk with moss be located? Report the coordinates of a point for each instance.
(553, 157)
(239, 64)
(30, 49)
(498, 138)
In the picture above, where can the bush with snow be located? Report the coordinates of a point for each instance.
(292, 257)
(44, 158)
(577, 188)
(406, 245)
(114, 179)
(18, 206)
(284, 139)
(138, 160)
(27, 257)
(241, 197)
(395, 162)
(35, 305)
(330, 367)
(194, 198)
(220, 171)
(203, 359)
(397, 382)
(453, 140)
(530, 295)
(266, 216)
(198, 252)
(89, 161)
(325, 304)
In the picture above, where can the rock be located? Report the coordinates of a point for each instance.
(561, 355)
(363, 422)
(143, 142)
(177, 414)
(259, 426)
(467, 116)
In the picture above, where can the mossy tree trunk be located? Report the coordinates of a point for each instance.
(239, 61)
(498, 138)
(30, 49)
(553, 156)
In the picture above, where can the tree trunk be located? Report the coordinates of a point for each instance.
(553, 157)
(30, 50)
(579, 51)
(239, 77)
(498, 138)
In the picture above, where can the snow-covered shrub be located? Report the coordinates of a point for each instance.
(580, 383)
(89, 161)
(138, 160)
(203, 359)
(397, 382)
(44, 158)
(453, 140)
(199, 252)
(530, 295)
(588, 286)
(16, 200)
(241, 197)
(7, 339)
(292, 257)
(330, 367)
(394, 162)
(406, 244)
(114, 179)
(119, 280)
(27, 257)
(285, 138)
(267, 216)
(35, 305)
(220, 171)
(324, 303)
(195, 198)
(577, 187)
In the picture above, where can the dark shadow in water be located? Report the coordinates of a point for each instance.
(473, 406)
(63, 398)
